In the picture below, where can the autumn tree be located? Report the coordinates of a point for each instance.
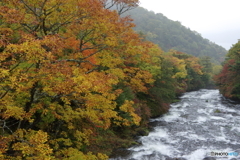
(228, 79)
(74, 73)
(60, 61)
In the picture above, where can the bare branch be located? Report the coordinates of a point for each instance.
(120, 5)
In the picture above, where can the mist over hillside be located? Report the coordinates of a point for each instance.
(169, 34)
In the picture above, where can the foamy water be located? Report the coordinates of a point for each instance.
(201, 123)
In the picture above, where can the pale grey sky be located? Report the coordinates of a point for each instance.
(216, 20)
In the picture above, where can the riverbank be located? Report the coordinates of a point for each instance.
(192, 130)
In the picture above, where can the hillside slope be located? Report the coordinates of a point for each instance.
(170, 34)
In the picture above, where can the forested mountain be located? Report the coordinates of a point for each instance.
(170, 34)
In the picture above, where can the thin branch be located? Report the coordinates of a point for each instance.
(109, 5)
(91, 70)
(14, 67)
(5, 126)
(29, 8)
(80, 61)
(4, 94)
(94, 52)
(43, 4)
(29, 67)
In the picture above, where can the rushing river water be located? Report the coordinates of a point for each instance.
(201, 125)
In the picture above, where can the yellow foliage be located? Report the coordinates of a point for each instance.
(74, 154)
(181, 68)
(128, 107)
(194, 64)
(14, 111)
(61, 74)
(33, 144)
(137, 79)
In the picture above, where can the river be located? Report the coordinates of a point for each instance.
(203, 125)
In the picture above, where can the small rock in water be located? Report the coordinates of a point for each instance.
(209, 158)
(122, 153)
(168, 158)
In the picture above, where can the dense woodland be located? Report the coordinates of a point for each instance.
(228, 80)
(170, 34)
(77, 81)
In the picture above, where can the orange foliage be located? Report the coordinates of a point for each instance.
(59, 73)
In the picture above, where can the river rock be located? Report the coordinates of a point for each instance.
(168, 158)
(209, 158)
(121, 153)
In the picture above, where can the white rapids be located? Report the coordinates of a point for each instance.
(201, 123)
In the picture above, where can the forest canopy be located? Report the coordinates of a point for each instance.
(77, 81)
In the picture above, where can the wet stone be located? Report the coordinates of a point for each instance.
(121, 153)
(209, 158)
(168, 158)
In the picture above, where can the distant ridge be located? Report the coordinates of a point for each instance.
(169, 34)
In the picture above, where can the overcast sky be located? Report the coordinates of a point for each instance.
(216, 20)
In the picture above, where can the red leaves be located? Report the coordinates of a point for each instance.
(11, 15)
(227, 78)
